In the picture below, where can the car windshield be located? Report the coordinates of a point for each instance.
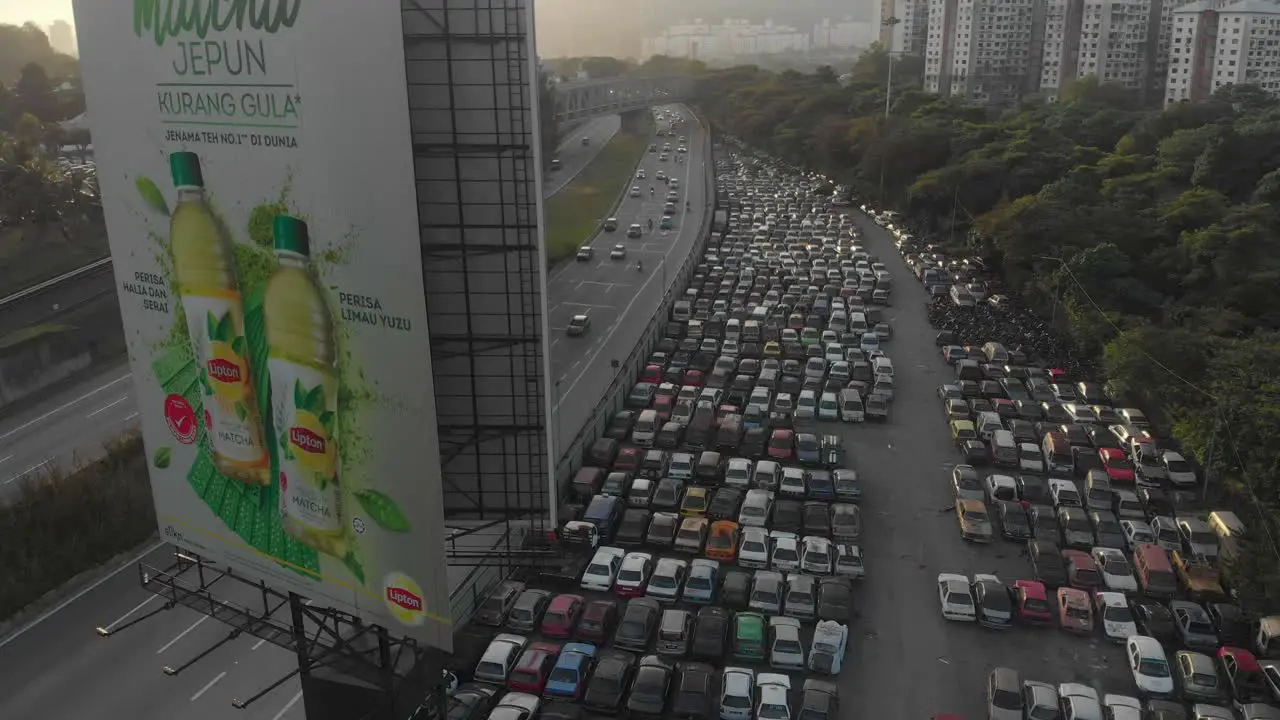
(1078, 613)
(1153, 667)
(663, 581)
(791, 647)
(764, 596)
(598, 569)
(1118, 462)
(491, 670)
(785, 554)
(699, 582)
(648, 686)
(1087, 576)
(752, 511)
(1035, 604)
(752, 546)
(959, 599)
(1204, 680)
(974, 515)
(1043, 712)
(1179, 466)
(631, 628)
(1116, 566)
(738, 702)
(690, 534)
(632, 576)
(1117, 614)
(1006, 700)
(1068, 496)
(522, 613)
(1202, 538)
(774, 711)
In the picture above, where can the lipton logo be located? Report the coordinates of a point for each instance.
(306, 440)
(224, 371)
(404, 599)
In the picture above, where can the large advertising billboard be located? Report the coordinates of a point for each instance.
(256, 172)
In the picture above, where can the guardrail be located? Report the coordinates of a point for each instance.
(614, 397)
(47, 284)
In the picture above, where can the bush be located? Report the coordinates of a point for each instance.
(64, 524)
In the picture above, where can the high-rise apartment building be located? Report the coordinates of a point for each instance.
(1214, 44)
(62, 37)
(1060, 52)
(982, 49)
(911, 31)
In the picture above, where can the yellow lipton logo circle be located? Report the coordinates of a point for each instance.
(403, 597)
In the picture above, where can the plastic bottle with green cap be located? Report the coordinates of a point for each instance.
(206, 279)
(302, 362)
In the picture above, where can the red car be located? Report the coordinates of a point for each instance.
(663, 406)
(1033, 602)
(628, 460)
(1243, 674)
(1075, 614)
(562, 615)
(781, 444)
(694, 378)
(596, 623)
(1056, 375)
(1004, 407)
(1082, 571)
(1118, 467)
(534, 666)
(651, 374)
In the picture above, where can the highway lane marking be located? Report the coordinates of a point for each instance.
(129, 417)
(590, 359)
(288, 706)
(205, 689)
(106, 407)
(28, 471)
(6, 458)
(60, 408)
(130, 564)
(183, 634)
(135, 609)
(588, 305)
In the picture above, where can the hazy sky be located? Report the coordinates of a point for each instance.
(42, 12)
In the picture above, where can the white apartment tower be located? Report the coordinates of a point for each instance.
(909, 35)
(982, 50)
(1214, 44)
(1113, 41)
(1061, 47)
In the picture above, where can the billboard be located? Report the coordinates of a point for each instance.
(256, 172)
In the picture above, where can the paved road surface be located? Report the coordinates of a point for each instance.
(60, 668)
(903, 654)
(574, 156)
(68, 427)
(618, 299)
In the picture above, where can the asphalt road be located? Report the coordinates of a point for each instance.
(60, 668)
(67, 428)
(574, 156)
(903, 654)
(617, 298)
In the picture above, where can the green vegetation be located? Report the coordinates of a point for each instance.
(63, 525)
(1157, 231)
(574, 214)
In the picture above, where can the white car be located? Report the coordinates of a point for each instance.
(603, 569)
(634, 573)
(1064, 493)
(1166, 532)
(755, 508)
(1029, 458)
(793, 482)
(956, 598)
(772, 703)
(1116, 571)
(1149, 665)
(806, 405)
(737, 685)
(515, 706)
(738, 473)
(667, 579)
(1079, 702)
(826, 652)
(729, 347)
(1122, 707)
(1137, 532)
(849, 561)
(635, 191)
(618, 252)
(500, 657)
(815, 555)
(785, 555)
(833, 353)
(1114, 616)
(682, 466)
(753, 549)
(1001, 487)
(828, 407)
(1177, 468)
(785, 648)
(869, 342)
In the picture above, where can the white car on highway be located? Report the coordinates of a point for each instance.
(618, 252)
(1116, 571)
(956, 598)
(1114, 615)
(603, 569)
(635, 191)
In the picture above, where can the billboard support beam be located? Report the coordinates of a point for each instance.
(239, 704)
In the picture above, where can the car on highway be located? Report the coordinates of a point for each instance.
(618, 252)
(585, 253)
(610, 224)
(634, 230)
(578, 326)
(635, 191)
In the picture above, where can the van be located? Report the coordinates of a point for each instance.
(851, 408)
(751, 331)
(1155, 572)
(1057, 453)
(682, 311)
(1004, 448)
(987, 423)
(604, 512)
(881, 366)
(858, 323)
(645, 429)
(733, 329)
(587, 483)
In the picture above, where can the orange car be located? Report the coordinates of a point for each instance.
(1075, 615)
(722, 541)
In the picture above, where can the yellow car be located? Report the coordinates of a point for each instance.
(773, 349)
(975, 525)
(694, 503)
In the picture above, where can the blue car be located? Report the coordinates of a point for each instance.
(666, 223)
(568, 678)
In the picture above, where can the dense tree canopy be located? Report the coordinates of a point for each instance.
(1157, 231)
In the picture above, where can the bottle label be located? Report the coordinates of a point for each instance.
(304, 403)
(216, 326)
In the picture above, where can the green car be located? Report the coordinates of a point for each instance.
(666, 224)
(748, 636)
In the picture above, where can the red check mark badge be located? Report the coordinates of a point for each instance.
(181, 425)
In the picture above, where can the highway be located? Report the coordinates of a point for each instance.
(617, 298)
(65, 429)
(574, 156)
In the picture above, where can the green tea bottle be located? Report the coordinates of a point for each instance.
(302, 362)
(206, 280)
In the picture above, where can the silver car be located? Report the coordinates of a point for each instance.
(766, 592)
(802, 596)
(1004, 694)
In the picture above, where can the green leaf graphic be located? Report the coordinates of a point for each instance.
(354, 566)
(299, 395)
(314, 403)
(284, 440)
(327, 419)
(162, 457)
(204, 381)
(226, 330)
(211, 325)
(151, 195)
(240, 411)
(238, 345)
(383, 510)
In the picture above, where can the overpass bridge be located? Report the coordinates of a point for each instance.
(585, 99)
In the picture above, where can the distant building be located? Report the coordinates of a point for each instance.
(62, 37)
(1214, 44)
(982, 49)
(700, 40)
(910, 34)
(843, 34)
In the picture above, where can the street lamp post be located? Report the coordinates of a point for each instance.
(888, 22)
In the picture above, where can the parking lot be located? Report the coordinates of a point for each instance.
(700, 403)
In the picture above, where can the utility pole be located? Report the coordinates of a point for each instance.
(888, 22)
(1208, 463)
